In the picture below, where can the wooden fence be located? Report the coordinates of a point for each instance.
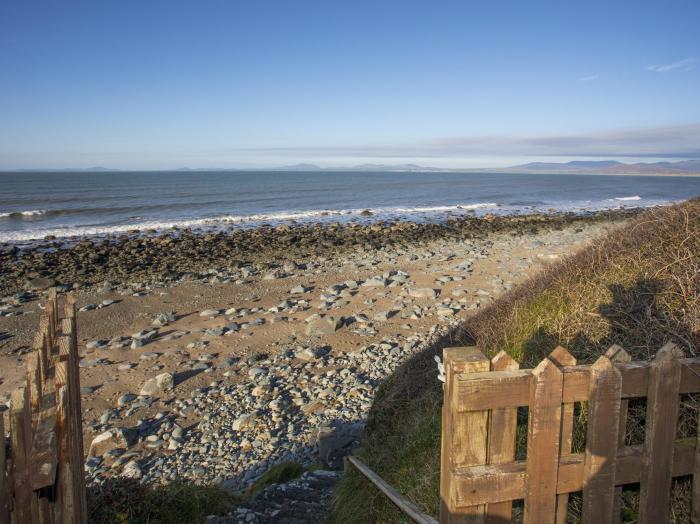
(41, 467)
(480, 477)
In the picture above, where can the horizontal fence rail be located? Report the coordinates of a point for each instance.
(480, 476)
(401, 502)
(41, 464)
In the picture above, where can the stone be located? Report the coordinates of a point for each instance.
(334, 443)
(126, 399)
(243, 422)
(423, 292)
(383, 316)
(210, 313)
(376, 282)
(324, 326)
(163, 319)
(40, 283)
(159, 384)
(132, 470)
(112, 439)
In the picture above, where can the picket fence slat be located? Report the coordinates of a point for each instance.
(4, 499)
(601, 442)
(618, 355)
(543, 438)
(501, 440)
(662, 417)
(562, 358)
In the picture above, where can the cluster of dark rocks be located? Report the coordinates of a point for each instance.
(168, 256)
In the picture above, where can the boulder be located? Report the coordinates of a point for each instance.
(158, 384)
(324, 326)
(112, 439)
(423, 292)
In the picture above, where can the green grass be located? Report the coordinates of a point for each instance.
(277, 474)
(639, 288)
(123, 501)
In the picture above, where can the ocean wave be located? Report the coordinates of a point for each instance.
(626, 198)
(20, 214)
(364, 215)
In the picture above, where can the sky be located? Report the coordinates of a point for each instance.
(157, 85)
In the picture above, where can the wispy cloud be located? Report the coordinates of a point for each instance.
(686, 63)
(588, 78)
(681, 141)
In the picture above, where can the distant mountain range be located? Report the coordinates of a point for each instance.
(582, 167)
(609, 167)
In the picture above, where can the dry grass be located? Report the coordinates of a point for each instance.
(639, 288)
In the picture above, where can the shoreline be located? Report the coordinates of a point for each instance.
(276, 357)
(179, 253)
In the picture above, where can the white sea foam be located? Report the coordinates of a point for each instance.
(30, 213)
(627, 198)
(418, 213)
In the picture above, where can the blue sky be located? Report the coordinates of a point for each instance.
(147, 84)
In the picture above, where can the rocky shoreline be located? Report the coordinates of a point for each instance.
(149, 256)
(262, 347)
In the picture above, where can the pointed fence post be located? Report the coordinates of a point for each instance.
(563, 358)
(502, 434)
(662, 418)
(464, 434)
(600, 460)
(4, 496)
(25, 507)
(543, 441)
(618, 355)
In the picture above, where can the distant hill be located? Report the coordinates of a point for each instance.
(609, 167)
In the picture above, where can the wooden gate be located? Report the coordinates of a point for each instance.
(480, 477)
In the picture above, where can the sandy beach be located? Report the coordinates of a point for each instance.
(214, 369)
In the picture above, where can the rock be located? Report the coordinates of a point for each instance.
(243, 422)
(112, 439)
(158, 384)
(125, 399)
(324, 326)
(132, 470)
(315, 407)
(163, 319)
(298, 290)
(423, 292)
(309, 354)
(376, 282)
(211, 313)
(383, 316)
(40, 283)
(334, 443)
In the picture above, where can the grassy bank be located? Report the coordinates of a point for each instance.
(639, 287)
(126, 501)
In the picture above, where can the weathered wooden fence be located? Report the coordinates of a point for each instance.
(480, 477)
(41, 467)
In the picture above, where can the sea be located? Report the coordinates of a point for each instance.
(78, 204)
